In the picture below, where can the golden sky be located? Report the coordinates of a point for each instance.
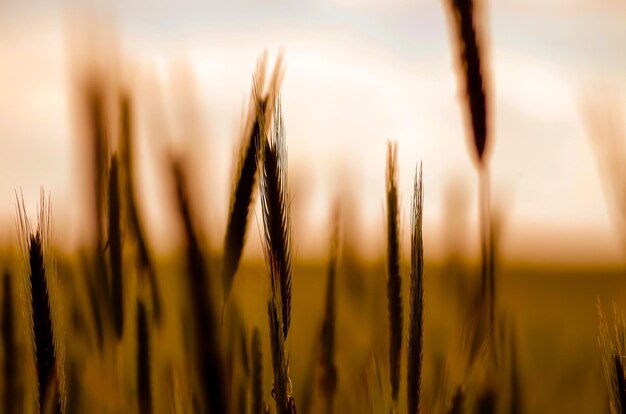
(358, 73)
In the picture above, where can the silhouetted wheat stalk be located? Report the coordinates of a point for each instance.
(472, 73)
(210, 370)
(115, 248)
(93, 94)
(473, 79)
(46, 346)
(281, 387)
(144, 259)
(277, 249)
(416, 316)
(328, 380)
(394, 282)
(143, 361)
(242, 196)
(275, 204)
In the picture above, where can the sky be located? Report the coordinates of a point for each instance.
(357, 74)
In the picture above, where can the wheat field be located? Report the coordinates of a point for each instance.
(117, 325)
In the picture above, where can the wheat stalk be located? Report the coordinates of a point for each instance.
(328, 381)
(416, 317)
(143, 361)
(282, 384)
(242, 195)
(94, 100)
(472, 76)
(469, 50)
(115, 249)
(46, 347)
(276, 214)
(144, 259)
(394, 295)
(93, 95)
(210, 370)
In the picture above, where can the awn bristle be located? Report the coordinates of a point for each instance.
(143, 361)
(416, 317)
(144, 259)
(242, 196)
(115, 249)
(469, 59)
(210, 368)
(276, 214)
(328, 381)
(394, 295)
(11, 388)
(257, 373)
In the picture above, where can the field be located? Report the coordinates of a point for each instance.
(554, 314)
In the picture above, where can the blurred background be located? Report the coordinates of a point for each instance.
(358, 73)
